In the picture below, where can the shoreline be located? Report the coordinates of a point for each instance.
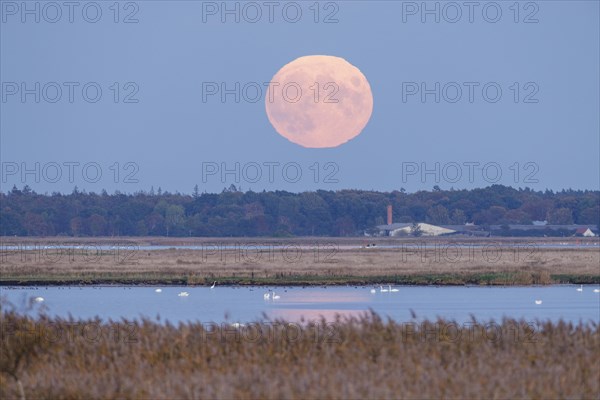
(416, 280)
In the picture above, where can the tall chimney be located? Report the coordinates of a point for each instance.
(389, 214)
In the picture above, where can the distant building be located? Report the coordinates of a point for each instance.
(406, 229)
(587, 232)
(573, 228)
(468, 229)
(536, 228)
(389, 229)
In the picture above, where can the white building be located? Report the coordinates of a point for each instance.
(586, 232)
(406, 229)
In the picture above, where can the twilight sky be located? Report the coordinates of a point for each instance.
(155, 124)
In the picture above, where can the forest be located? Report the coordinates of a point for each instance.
(23, 212)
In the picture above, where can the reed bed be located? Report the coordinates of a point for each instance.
(355, 358)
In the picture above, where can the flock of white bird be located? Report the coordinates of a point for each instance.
(579, 289)
(389, 289)
(185, 294)
(271, 295)
(266, 296)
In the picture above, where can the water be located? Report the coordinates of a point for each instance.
(247, 304)
(90, 248)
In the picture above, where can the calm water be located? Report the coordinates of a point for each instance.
(52, 248)
(247, 304)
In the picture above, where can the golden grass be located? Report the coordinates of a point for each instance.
(355, 358)
(305, 261)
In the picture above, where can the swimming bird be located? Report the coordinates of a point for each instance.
(158, 290)
(213, 285)
(39, 299)
(275, 297)
(580, 288)
(538, 302)
(183, 294)
(373, 291)
(394, 289)
(596, 290)
(266, 296)
(382, 290)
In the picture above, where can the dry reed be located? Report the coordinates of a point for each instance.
(353, 358)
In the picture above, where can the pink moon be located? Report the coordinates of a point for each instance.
(319, 101)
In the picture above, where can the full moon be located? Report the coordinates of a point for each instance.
(319, 101)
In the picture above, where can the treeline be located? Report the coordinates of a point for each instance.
(322, 213)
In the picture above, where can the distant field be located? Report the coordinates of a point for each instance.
(300, 261)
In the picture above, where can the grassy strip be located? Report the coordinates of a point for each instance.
(577, 279)
(490, 279)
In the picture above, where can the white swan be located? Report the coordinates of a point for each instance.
(580, 288)
(276, 297)
(183, 294)
(373, 291)
(596, 290)
(394, 289)
(39, 299)
(266, 296)
(382, 290)
(538, 302)
(158, 290)
(213, 285)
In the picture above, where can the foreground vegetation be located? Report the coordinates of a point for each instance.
(300, 262)
(349, 359)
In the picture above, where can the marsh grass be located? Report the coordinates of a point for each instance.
(355, 358)
(343, 263)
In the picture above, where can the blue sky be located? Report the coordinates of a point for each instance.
(550, 134)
